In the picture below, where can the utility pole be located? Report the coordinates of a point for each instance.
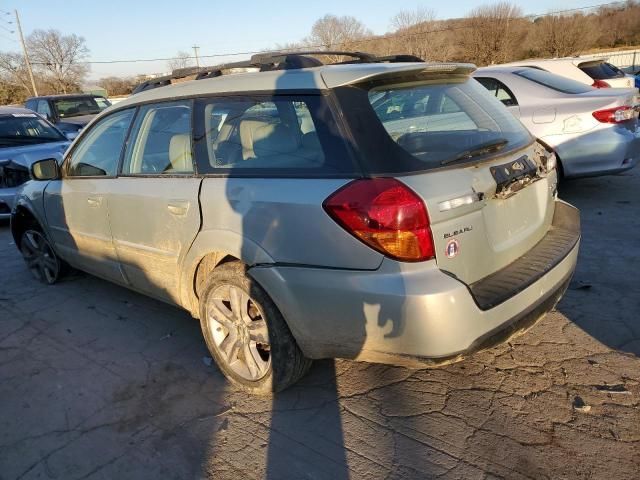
(195, 50)
(26, 55)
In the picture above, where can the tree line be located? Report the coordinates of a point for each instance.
(489, 34)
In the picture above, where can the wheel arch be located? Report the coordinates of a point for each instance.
(211, 249)
(21, 219)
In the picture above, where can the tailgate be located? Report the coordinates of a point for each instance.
(485, 216)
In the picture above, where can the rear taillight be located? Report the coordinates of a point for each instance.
(616, 115)
(600, 84)
(386, 215)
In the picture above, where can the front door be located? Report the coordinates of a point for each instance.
(76, 206)
(153, 205)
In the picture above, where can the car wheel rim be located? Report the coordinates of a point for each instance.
(239, 332)
(39, 255)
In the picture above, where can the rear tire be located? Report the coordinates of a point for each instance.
(246, 333)
(40, 257)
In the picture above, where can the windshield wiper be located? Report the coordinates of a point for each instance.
(484, 148)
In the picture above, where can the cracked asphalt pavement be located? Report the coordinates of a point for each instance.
(99, 382)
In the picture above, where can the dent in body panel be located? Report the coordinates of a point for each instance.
(285, 218)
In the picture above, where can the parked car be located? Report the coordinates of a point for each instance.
(24, 139)
(592, 131)
(70, 113)
(596, 72)
(382, 210)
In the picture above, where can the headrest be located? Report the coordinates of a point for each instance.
(180, 153)
(264, 138)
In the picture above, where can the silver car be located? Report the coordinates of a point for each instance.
(380, 210)
(592, 131)
(24, 138)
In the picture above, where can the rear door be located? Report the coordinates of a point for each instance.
(76, 207)
(153, 204)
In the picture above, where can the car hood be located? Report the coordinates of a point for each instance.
(81, 120)
(28, 154)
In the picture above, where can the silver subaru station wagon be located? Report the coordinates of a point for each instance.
(381, 209)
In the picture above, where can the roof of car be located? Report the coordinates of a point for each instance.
(568, 60)
(64, 95)
(12, 110)
(315, 78)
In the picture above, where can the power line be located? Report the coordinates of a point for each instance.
(357, 42)
(6, 29)
(8, 38)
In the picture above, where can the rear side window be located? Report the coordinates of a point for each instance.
(98, 152)
(160, 141)
(498, 90)
(601, 70)
(420, 125)
(553, 81)
(269, 136)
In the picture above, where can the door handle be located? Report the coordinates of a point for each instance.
(94, 201)
(178, 207)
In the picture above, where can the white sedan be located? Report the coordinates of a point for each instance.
(592, 131)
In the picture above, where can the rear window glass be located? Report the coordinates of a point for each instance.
(439, 123)
(553, 81)
(269, 136)
(601, 70)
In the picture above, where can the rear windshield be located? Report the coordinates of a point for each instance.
(434, 123)
(553, 81)
(601, 70)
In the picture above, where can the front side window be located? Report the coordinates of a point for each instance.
(99, 150)
(26, 129)
(553, 81)
(437, 122)
(276, 135)
(160, 141)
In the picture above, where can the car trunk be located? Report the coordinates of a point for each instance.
(501, 217)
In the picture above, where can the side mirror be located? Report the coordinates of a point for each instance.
(46, 169)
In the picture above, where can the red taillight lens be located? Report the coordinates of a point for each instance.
(600, 84)
(616, 115)
(386, 215)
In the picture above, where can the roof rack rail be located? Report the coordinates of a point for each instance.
(268, 61)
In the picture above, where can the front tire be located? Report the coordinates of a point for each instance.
(246, 333)
(40, 257)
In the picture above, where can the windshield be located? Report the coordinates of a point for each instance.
(74, 107)
(26, 129)
(439, 122)
(553, 81)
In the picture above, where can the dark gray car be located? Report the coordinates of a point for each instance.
(24, 139)
(69, 112)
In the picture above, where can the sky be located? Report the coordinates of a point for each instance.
(144, 29)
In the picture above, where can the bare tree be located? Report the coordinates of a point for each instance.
(418, 34)
(561, 36)
(492, 33)
(117, 85)
(59, 58)
(182, 59)
(13, 70)
(337, 33)
(406, 19)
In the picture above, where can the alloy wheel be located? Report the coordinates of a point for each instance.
(239, 331)
(40, 257)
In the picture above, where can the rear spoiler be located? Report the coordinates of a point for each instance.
(337, 77)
